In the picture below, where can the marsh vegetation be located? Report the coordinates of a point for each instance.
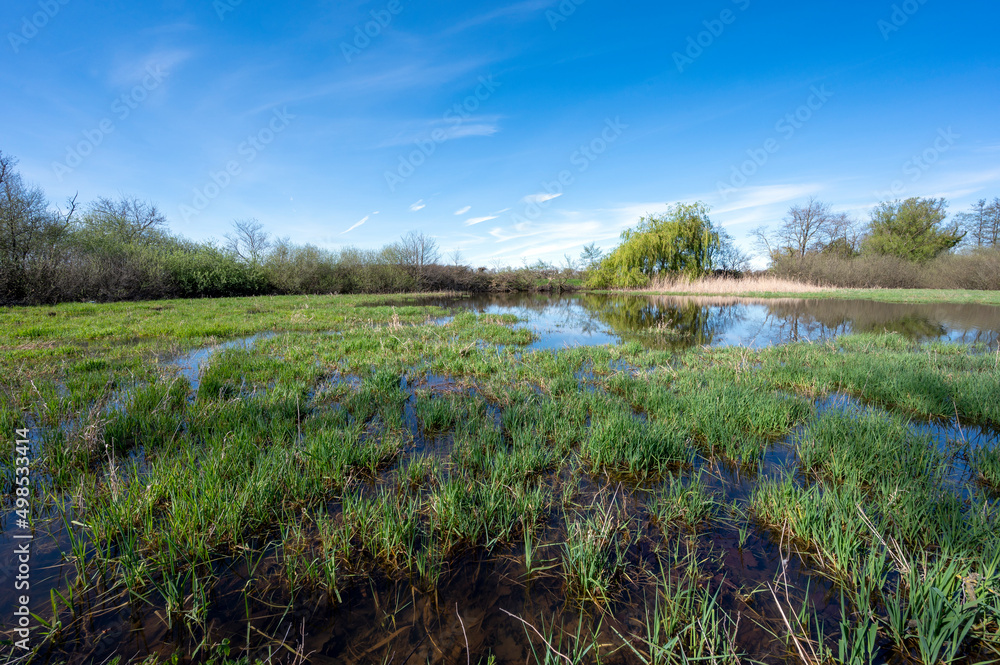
(408, 481)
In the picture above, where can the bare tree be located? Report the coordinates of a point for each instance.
(418, 251)
(29, 230)
(806, 228)
(728, 257)
(456, 258)
(993, 238)
(127, 219)
(248, 241)
(762, 242)
(982, 223)
(591, 256)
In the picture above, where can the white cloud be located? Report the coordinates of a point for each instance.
(441, 131)
(756, 197)
(479, 220)
(540, 198)
(517, 10)
(132, 69)
(462, 211)
(478, 129)
(419, 205)
(365, 219)
(414, 72)
(550, 240)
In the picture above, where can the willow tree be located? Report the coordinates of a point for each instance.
(680, 242)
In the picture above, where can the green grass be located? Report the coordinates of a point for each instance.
(686, 623)
(690, 504)
(986, 462)
(593, 555)
(397, 453)
(199, 320)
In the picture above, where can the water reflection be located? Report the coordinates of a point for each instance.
(673, 322)
(664, 322)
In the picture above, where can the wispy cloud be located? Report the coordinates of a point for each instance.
(479, 220)
(363, 220)
(570, 230)
(518, 10)
(958, 185)
(419, 205)
(133, 69)
(380, 79)
(540, 198)
(756, 197)
(439, 131)
(462, 211)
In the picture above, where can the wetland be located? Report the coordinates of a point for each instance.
(583, 478)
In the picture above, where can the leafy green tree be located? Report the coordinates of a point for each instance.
(912, 229)
(681, 241)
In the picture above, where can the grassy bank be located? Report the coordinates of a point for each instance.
(367, 484)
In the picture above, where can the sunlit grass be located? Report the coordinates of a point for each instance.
(394, 449)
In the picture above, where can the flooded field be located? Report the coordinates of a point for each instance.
(574, 479)
(677, 322)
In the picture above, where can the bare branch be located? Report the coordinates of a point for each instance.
(248, 241)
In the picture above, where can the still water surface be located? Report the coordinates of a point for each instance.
(680, 322)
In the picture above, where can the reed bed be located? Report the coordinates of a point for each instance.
(731, 285)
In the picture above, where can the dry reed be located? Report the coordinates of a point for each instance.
(731, 286)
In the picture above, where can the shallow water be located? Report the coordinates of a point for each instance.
(386, 619)
(189, 365)
(680, 322)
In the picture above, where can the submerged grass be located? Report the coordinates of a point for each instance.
(397, 451)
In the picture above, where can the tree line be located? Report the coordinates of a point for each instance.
(913, 229)
(909, 243)
(122, 249)
(904, 244)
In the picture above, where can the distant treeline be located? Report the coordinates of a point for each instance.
(122, 249)
(903, 244)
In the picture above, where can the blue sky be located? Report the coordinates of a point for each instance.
(509, 131)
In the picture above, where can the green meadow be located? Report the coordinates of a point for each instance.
(372, 479)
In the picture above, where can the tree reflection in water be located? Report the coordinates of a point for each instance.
(663, 322)
(674, 322)
(678, 322)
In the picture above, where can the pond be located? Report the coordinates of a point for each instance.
(678, 322)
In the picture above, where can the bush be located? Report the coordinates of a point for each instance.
(206, 272)
(975, 269)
